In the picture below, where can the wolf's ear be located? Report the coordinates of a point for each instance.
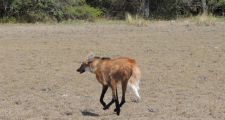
(90, 56)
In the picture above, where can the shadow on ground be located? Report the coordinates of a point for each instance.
(89, 113)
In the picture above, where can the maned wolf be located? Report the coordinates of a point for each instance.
(109, 72)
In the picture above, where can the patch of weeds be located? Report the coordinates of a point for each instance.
(136, 20)
(204, 20)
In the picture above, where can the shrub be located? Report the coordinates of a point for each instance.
(49, 10)
(8, 20)
(82, 12)
(38, 17)
(217, 7)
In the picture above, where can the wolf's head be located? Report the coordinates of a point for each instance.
(86, 65)
(90, 64)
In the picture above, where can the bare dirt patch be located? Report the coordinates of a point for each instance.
(183, 71)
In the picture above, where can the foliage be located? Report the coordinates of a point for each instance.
(82, 12)
(60, 10)
(164, 9)
(217, 7)
(116, 8)
(48, 10)
(8, 20)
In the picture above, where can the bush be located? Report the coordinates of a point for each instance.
(217, 7)
(49, 10)
(82, 12)
(34, 11)
(33, 17)
(8, 20)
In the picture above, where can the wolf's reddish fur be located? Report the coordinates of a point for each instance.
(110, 72)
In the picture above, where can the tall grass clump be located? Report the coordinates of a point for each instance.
(204, 19)
(136, 20)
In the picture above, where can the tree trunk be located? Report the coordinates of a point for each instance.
(204, 7)
(144, 8)
(5, 5)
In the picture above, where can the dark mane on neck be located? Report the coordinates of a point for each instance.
(96, 57)
(103, 58)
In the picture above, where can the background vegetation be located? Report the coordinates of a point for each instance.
(32, 11)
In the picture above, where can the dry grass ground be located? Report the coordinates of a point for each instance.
(183, 69)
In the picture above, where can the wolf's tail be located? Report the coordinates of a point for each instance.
(135, 80)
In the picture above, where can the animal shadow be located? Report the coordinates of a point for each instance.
(89, 113)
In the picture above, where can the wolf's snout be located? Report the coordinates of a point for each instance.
(78, 70)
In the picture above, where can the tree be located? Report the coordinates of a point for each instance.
(144, 8)
(204, 6)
